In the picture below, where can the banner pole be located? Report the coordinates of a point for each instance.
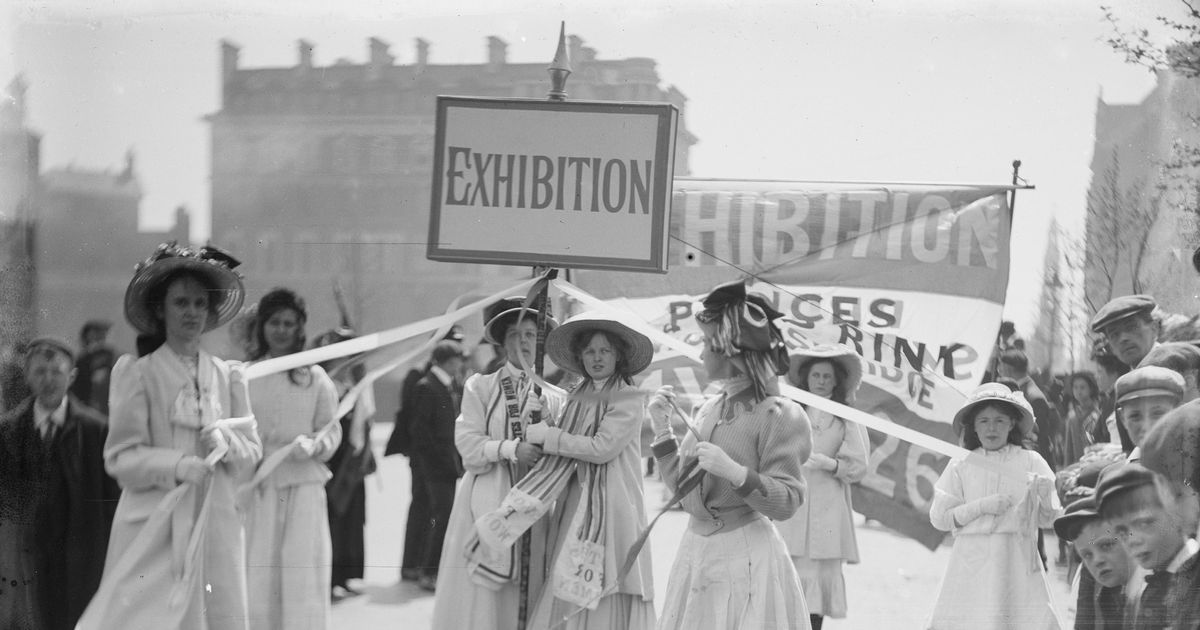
(1012, 195)
(560, 69)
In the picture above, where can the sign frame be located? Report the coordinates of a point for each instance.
(666, 122)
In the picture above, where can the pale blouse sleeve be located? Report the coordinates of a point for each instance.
(666, 450)
(245, 444)
(852, 453)
(947, 495)
(323, 413)
(129, 455)
(621, 425)
(478, 450)
(776, 490)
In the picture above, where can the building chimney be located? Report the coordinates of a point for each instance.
(229, 58)
(422, 54)
(182, 230)
(575, 45)
(497, 53)
(305, 50)
(379, 57)
(127, 175)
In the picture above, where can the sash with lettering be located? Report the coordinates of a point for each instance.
(534, 495)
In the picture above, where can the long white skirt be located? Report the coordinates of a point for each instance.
(289, 558)
(988, 586)
(738, 579)
(823, 584)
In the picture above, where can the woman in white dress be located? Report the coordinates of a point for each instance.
(289, 555)
(820, 537)
(732, 569)
(995, 578)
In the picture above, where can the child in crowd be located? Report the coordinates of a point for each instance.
(1107, 590)
(1172, 449)
(1143, 510)
(994, 578)
(1144, 396)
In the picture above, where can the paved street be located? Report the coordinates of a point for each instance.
(893, 587)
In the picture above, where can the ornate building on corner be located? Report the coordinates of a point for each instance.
(323, 173)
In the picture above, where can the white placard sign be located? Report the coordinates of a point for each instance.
(558, 184)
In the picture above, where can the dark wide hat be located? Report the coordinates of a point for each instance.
(210, 262)
(1119, 478)
(504, 312)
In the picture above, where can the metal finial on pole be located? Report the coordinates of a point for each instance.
(560, 68)
(1012, 198)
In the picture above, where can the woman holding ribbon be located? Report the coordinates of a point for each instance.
(592, 468)
(994, 506)
(732, 569)
(180, 440)
(287, 525)
(820, 537)
(476, 588)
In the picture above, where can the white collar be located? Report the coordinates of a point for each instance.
(58, 415)
(1189, 549)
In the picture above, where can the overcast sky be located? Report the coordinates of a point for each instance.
(921, 91)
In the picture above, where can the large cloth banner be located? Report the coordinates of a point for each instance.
(912, 278)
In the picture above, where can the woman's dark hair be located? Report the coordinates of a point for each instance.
(839, 373)
(156, 298)
(1086, 377)
(276, 300)
(970, 439)
(582, 339)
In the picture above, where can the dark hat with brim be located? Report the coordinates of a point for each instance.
(558, 342)
(209, 262)
(506, 311)
(1119, 478)
(995, 392)
(1180, 356)
(1076, 515)
(1122, 308)
(1151, 380)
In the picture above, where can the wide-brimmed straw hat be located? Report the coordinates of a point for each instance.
(558, 342)
(505, 311)
(209, 261)
(838, 353)
(995, 392)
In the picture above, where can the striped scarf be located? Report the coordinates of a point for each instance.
(534, 495)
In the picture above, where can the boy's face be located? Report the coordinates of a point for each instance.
(1103, 555)
(1139, 414)
(1150, 535)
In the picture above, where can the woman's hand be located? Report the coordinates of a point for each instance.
(528, 454)
(995, 504)
(534, 404)
(321, 449)
(536, 433)
(213, 438)
(714, 460)
(821, 461)
(660, 408)
(1043, 487)
(305, 446)
(192, 469)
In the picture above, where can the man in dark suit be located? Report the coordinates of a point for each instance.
(436, 465)
(94, 366)
(56, 500)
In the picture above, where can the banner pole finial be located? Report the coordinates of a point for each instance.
(560, 68)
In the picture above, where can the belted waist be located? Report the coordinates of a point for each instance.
(724, 521)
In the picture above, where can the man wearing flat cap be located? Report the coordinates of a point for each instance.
(56, 500)
(1129, 326)
(1180, 357)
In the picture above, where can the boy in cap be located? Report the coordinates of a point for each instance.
(1129, 326)
(1172, 449)
(1144, 396)
(1106, 589)
(1144, 513)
